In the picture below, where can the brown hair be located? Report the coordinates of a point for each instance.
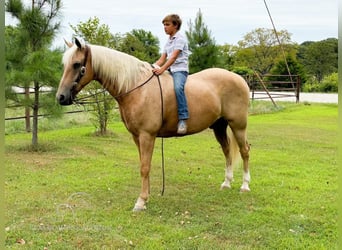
(174, 19)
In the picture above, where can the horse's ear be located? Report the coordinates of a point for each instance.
(79, 44)
(69, 44)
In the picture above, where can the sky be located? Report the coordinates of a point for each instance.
(228, 20)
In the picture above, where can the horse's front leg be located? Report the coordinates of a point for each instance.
(145, 143)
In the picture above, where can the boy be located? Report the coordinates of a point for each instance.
(175, 58)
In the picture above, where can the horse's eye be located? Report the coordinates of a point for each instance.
(77, 65)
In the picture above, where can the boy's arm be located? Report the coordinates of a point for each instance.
(161, 60)
(168, 63)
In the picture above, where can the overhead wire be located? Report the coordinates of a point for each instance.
(281, 45)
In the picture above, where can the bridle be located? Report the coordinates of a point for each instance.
(83, 66)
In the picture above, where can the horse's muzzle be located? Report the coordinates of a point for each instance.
(64, 100)
(66, 97)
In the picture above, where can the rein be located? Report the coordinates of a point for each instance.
(135, 88)
(162, 139)
(77, 101)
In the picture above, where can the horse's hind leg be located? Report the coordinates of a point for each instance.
(241, 139)
(220, 131)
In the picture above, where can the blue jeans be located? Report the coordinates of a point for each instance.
(179, 79)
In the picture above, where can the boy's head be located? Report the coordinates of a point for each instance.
(174, 19)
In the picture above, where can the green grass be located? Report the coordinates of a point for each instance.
(79, 190)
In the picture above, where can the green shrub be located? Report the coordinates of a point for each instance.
(329, 84)
(311, 87)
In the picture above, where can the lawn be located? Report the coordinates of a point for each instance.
(78, 191)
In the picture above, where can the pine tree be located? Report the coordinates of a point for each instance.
(204, 51)
(141, 44)
(36, 66)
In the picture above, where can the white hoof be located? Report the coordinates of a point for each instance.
(244, 189)
(139, 205)
(139, 209)
(225, 185)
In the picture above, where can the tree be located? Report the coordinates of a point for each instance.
(227, 56)
(280, 68)
(141, 44)
(260, 50)
(95, 33)
(204, 52)
(37, 65)
(295, 67)
(102, 104)
(319, 58)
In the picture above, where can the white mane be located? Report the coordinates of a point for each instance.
(112, 66)
(115, 67)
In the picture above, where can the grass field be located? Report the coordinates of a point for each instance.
(78, 191)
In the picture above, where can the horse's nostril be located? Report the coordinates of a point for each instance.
(61, 98)
(64, 100)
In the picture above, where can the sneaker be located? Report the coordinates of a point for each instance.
(182, 127)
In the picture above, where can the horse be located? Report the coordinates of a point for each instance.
(217, 99)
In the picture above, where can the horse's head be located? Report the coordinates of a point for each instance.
(77, 72)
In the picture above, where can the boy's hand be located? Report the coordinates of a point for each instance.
(158, 71)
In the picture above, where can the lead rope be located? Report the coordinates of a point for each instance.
(162, 139)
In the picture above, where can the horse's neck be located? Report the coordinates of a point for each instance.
(118, 72)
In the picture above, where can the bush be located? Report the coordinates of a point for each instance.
(329, 84)
(311, 87)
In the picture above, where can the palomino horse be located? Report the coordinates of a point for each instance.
(216, 98)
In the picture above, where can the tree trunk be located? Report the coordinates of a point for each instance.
(35, 115)
(27, 111)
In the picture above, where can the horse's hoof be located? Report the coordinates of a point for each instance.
(139, 205)
(244, 190)
(139, 209)
(225, 186)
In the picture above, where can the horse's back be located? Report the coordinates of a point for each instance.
(215, 93)
(224, 83)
